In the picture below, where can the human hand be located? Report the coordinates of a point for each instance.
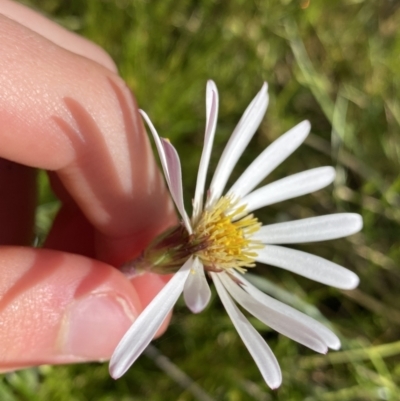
(64, 109)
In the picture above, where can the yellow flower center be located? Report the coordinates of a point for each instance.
(225, 234)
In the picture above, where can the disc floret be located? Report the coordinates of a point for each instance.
(225, 231)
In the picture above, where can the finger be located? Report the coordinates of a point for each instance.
(36, 77)
(51, 31)
(66, 113)
(17, 203)
(71, 232)
(59, 308)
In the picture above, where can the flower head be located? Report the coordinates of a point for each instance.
(223, 239)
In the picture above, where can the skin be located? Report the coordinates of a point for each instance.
(63, 108)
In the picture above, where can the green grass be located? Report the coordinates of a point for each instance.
(334, 63)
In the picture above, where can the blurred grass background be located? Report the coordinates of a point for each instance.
(334, 63)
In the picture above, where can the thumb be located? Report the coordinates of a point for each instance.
(57, 307)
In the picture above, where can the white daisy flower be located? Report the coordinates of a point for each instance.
(223, 239)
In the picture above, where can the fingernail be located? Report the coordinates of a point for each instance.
(94, 325)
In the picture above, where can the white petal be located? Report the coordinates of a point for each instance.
(312, 229)
(146, 325)
(295, 329)
(270, 158)
(196, 292)
(175, 174)
(238, 141)
(289, 187)
(211, 123)
(172, 170)
(258, 348)
(330, 338)
(159, 145)
(308, 265)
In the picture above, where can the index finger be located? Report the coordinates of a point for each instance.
(60, 111)
(57, 34)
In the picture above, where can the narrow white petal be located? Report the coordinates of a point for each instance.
(238, 141)
(196, 292)
(172, 170)
(312, 229)
(289, 187)
(175, 185)
(146, 325)
(211, 123)
(330, 338)
(308, 265)
(270, 158)
(258, 348)
(159, 145)
(295, 329)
